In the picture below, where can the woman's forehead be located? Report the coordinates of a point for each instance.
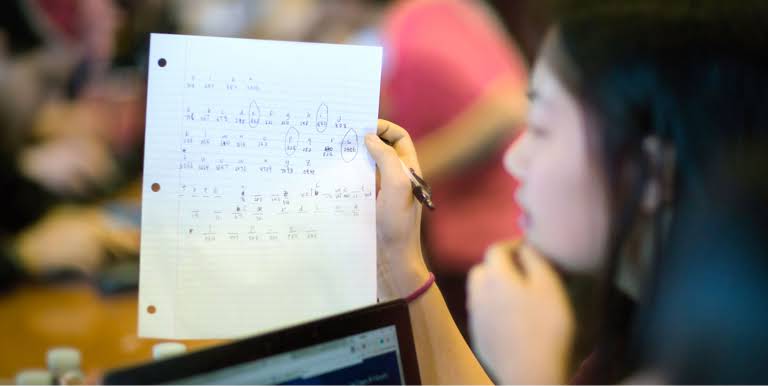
(546, 93)
(542, 66)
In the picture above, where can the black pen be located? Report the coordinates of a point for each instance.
(419, 187)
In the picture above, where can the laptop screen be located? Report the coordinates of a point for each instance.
(367, 358)
(371, 345)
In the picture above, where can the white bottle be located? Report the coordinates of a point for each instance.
(34, 377)
(64, 365)
(168, 349)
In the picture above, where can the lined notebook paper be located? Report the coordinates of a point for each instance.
(258, 194)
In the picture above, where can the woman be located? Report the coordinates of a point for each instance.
(632, 111)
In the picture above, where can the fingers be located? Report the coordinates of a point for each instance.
(122, 243)
(96, 162)
(518, 259)
(386, 158)
(500, 258)
(390, 157)
(475, 282)
(399, 139)
(394, 183)
(536, 265)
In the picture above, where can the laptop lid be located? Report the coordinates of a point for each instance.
(373, 345)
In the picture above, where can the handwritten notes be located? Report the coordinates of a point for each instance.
(259, 194)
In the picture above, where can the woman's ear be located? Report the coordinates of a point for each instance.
(651, 196)
(651, 200)
(658, 187)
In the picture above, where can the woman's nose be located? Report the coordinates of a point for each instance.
(515, 158)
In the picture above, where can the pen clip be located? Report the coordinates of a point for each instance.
(421, 181)
(421, 190)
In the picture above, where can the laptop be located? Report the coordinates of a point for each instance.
(373, 345)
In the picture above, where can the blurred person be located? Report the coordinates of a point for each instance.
(68, 238)
(463, 103)
(267, 19)
(49, 45)
(58, 130)
(230, 18)
(456, 81)
(347, 22)
(633, 108)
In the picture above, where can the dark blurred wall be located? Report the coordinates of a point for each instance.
(527, 21)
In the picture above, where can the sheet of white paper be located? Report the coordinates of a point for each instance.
(258, 198)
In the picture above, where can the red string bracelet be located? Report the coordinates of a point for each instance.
(420, 291)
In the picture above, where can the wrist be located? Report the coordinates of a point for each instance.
(26, 162)
(19, 253)
(11, 255)
(413, 277)
(429, 283)
(401, 268)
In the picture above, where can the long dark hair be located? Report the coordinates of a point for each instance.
(691, 75)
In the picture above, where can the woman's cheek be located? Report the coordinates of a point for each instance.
(549, 215)
(561, 209)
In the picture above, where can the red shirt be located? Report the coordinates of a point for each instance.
(440, 57)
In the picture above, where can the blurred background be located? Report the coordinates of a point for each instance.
(72, 95)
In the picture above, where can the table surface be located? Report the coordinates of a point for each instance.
(36, 317)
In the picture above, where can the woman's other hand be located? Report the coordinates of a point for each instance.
(520, 318)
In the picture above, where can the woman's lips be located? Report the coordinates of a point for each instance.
(524, 221)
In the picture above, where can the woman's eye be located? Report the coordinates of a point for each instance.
(538, 132)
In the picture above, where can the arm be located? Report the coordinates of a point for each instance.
(476, 132)
(443, 354)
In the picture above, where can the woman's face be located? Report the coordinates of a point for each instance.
(561, 192)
